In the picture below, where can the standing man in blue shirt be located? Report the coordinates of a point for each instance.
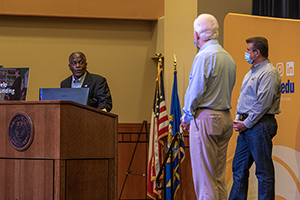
(206, 110)
(258, 103)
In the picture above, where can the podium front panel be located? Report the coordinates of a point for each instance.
(72, 151)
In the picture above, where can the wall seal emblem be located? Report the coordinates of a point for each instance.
(20, 131)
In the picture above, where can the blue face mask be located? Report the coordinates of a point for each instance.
(247, 58)
(196, 44)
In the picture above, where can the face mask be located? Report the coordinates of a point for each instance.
(196, 44)
(247, 58)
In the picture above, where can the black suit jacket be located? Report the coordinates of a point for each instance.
(99, 93)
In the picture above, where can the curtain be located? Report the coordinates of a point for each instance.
(277, 8)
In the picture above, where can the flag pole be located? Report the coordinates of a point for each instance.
(179, 139)
(159, 70)
(159, 128)
(175, 63)
(159, 64)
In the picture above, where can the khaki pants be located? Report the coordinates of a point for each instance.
(210, 132)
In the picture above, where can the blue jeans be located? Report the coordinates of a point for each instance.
(255, 145)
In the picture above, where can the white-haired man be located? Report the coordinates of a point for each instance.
(206, 110)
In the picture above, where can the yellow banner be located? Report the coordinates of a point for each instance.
(284, 54)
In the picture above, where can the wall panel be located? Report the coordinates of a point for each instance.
(135, 187)
(113, 9)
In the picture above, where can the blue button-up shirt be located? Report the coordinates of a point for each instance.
(78, 83)
(211, 80)
(260, 93)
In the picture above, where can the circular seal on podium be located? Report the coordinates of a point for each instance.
(20, 131)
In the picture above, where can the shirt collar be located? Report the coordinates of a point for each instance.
(257, 66)
(81, 79)
(209, 42)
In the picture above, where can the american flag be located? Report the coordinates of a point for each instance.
(159, 129)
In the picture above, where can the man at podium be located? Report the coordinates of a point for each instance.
(99, 93)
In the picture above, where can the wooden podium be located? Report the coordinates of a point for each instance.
(73, 153)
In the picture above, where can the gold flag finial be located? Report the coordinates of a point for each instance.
(175, 63)
(159, 64)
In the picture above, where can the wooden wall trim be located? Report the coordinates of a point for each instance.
(132, 127)
(128, 132)
(113, 9)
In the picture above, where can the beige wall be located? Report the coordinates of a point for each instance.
(120, 50)
(221, 8)
(179, 17)
(112, 9)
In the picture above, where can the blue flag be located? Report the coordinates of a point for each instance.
(178, 152)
